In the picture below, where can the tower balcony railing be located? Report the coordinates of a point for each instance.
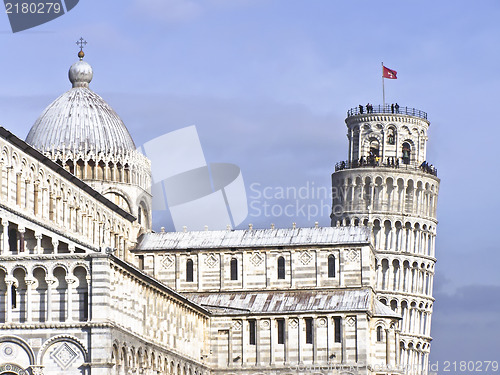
(388, 108)
(390, 163)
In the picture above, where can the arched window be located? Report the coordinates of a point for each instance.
(331, 265)
(234, 269)
(406, 153)
(380, 336)
(281, 268)
(189, 270)
(391, 139)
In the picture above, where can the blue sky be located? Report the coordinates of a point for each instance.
(268, 83)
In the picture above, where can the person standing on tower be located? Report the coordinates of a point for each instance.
(397, 107)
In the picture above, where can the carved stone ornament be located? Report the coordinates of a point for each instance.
(305, 257)
(265, 324)
(64, 356)
(256, 259)
(353, 255)
(211, 260)
(167, 261)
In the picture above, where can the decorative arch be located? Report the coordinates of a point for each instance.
(23, 344)
(9, 368)
(121, 194)
(62, 338)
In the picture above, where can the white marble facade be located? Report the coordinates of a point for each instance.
(87, 288)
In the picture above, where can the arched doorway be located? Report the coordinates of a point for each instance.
(374, 154)
(374, 148)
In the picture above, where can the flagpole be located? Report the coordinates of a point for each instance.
(383, 88)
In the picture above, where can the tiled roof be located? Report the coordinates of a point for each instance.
(254, 238)
(339, 300)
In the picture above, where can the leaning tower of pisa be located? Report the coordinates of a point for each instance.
(388, 184)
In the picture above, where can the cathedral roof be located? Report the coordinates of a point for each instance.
(80, 120)
(253, 238)
(339, 300)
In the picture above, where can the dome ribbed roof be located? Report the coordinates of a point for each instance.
(80, 120)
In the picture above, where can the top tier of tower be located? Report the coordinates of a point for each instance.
(387, 136)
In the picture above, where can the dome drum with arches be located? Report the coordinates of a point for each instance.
(83, 134)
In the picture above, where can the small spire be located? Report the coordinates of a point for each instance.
(81, 43)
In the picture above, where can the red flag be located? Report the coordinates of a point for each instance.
(389, 73)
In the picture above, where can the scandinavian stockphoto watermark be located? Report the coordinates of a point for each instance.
(307, 201)
(195, 192)
(26, 14)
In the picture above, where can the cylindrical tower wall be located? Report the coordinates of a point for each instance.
(387, 184)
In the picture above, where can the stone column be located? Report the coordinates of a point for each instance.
(350, 145)
(88, 301)
(199, 273)
(243, 273)
(64, 214)
(29, 301)
(390, 276)
(222, 271)
(39, 249)
(70, 218)
(286, 356)
(258, 322)
(177, 272)
(359, 143)
(393, 238)
(85, 164)
(343, 340)
(272, 331)
(330, 336)
(55, 244)
(299, 340)
(35, 198)
(9, 283)
(2, 170)
(371, 198)
(403, 237)
(50, 284)
(244, 325)
(70, 282)
(379, 274)
(387, 347)
(18, 188)
(315, 339)
(21, 231)
(398, 349)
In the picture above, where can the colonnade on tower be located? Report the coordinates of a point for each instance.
(387, 183)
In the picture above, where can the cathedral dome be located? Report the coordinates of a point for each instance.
(80, 120)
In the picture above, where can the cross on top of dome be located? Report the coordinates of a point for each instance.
(81, 43)
(80, 73)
